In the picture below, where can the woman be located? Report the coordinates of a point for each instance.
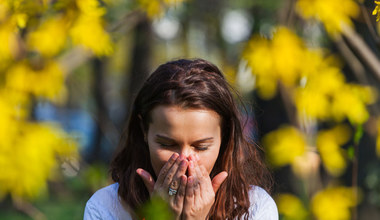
(185, 142)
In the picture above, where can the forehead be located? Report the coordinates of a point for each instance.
(175, 117)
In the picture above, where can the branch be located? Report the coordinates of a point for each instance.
(363, 50)
(352, 61)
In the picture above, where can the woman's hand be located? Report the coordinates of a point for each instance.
(200, 190)
(172, 175)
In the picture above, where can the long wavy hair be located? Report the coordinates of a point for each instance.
(194, 84)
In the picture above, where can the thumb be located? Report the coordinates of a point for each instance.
(218, 180)
(147, 178)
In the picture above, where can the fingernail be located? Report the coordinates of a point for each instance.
(183, 163)
(190, 179)
(183, 178)
(182, 157)
(174, 156)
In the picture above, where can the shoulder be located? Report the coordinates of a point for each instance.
(262, 206)
(105, 204)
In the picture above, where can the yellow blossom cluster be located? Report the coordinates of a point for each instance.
(88, 28)
(156, 8)
(47, 81)
(331, 203)
(28, 150)
(50, 37)
(275, 60)
(81, 20)
(284, 145)
(334, 203)
(316, 84)
(329, 144)
(332, 13)
(291, 208)
(377, 10)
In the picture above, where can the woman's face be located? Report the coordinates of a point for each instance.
(186, 132)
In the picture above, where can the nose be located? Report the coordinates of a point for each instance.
(186, 151)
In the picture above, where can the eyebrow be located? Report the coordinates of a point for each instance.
(197, 141)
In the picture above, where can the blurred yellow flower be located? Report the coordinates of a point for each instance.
(334, 203)
(312, 103)
(88, 29)
(332, 13)
(50, 37)
(47, 82)
(329, 143)
(276, 60)
(346, 96)
(156, 8)
(9, 45)
(314, 81)
(290, 207)
(284, 145)
(287, 47)
(377, 11)
(91, 8)
(30, 158)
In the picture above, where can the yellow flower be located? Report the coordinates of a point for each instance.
(31, 159)
(312, 103)
(334, 203)
(284, 145)
(9, 39)
(47, 82)
(354, 97)
(287, 47)
(88, 29)
(377, 11)
(290, 207)
(273, 61)
(91, 8)
(156, 8)
(328, 144)
(49, 39)
(332, 13)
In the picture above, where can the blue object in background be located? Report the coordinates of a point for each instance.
(74, 121)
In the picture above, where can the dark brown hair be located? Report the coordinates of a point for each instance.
(192, 84)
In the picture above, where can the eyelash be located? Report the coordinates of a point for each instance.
(198, 148)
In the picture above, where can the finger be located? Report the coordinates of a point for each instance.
(199, 182)
(166, 168)
(147, 179)
(189, 197)
(168, 180)
(180, 172)
(218, 180)
(207, 184)
(181, 191)
(191, 168)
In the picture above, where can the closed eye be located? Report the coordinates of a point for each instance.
(166, 145)
(202, 147)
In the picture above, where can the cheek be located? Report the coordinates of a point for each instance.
(208, 160)
(158, 159)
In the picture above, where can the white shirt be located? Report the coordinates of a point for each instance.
(105, 205)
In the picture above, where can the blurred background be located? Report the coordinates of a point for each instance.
(308, 72)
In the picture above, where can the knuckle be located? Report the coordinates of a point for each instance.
(168, 177)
